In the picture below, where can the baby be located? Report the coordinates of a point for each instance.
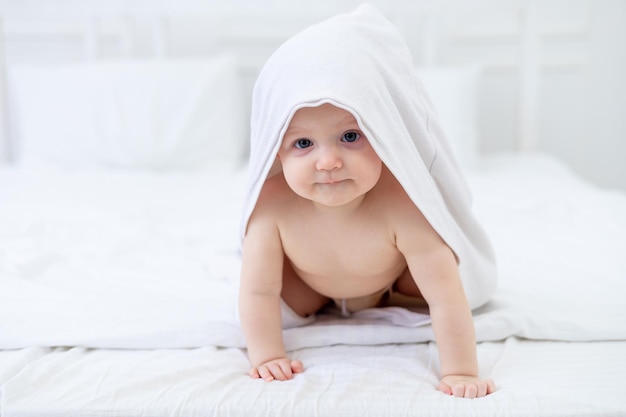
(363, 206)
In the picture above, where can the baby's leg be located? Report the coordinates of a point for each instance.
(301, 298)
(405, 292)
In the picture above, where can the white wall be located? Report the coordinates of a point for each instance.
(603, 159)
(582, 111)
(578, 46)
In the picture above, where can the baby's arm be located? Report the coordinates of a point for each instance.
(436, 275)
(434, 269)
(452, 323)
(259, 302)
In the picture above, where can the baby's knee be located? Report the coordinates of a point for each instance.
(292, 319)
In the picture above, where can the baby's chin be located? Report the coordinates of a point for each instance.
(335, 198)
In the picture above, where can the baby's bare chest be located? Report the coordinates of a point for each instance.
(356, 250)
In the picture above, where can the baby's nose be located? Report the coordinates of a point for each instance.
(328, 159)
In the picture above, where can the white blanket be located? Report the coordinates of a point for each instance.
(133, 260)
(359, 62)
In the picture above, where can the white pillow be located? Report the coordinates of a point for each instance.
(150, 114)
(455, 96)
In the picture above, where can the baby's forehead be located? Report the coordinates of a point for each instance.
(327, 114)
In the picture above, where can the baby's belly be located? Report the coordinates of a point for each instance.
(351, 284)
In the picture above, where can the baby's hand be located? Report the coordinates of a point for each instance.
(281, 369)
(466, 386)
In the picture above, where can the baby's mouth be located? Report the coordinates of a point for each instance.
(331, 181)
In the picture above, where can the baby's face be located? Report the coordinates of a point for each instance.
(326, 158)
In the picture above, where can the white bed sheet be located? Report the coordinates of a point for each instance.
(534, 378)
(143, 267)
(121, 259)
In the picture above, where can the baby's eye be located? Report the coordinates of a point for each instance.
(350, 137)
(303, 143)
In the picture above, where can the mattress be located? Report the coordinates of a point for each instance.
(119, 287)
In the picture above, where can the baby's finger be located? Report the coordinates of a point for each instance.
(458, 390)
(285, 367)
(265, 373)
(491, 387)
(297, 367)
(254, 373)
(470, 391)
(482, 389)
(445, 388)
(276, 371)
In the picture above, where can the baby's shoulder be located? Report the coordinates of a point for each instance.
(390, 196)
(270, 207)
(275, 194)
(398, 208)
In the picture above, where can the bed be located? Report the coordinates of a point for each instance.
(119, 257)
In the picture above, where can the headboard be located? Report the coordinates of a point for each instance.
(510, 40)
